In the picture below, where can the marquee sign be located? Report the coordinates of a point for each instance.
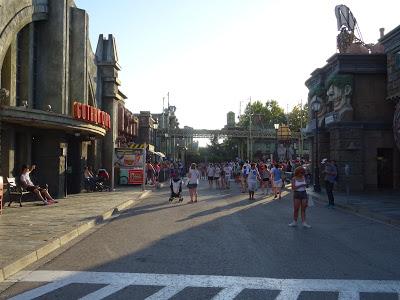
(91, 114)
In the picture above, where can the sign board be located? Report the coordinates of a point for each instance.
(135, 176)
(131, 164)
(91, 114)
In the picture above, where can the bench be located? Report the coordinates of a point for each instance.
(15, 190)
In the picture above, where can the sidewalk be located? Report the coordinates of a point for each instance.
(31, 232)
(383, 206)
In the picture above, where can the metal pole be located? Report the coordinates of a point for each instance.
(317, 187)
(144, 167)
(276, 145)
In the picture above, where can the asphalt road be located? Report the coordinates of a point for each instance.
(223, 247)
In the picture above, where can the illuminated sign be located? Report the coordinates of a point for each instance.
(91, 114)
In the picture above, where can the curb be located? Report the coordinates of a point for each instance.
(57, 243)
(361, 211)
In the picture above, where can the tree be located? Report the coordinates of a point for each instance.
(298, 117)
(263, 115)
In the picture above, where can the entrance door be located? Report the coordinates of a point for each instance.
(385, 168)
(74, 170)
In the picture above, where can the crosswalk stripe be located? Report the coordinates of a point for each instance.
(40, 291)
(104, 292)
(228, 293)
(174, 283)
(288, 295)
(166, 293)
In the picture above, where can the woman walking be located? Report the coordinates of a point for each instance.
(266, 175)
(299, 196)
(193, 176)
(252, 178)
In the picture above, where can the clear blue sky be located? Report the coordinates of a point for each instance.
(212, 54)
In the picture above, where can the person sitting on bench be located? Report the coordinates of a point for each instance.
(27, 183)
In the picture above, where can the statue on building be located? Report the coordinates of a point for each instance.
(4, 94)
(339, 96)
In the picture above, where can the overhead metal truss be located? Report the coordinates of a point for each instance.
(222, 133)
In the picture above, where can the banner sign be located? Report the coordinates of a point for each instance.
(91, 114)
(131, 164)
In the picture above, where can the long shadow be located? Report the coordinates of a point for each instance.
(216, 210)
(254, 241)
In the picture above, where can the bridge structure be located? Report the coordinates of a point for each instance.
(268, 135)
(228, 133)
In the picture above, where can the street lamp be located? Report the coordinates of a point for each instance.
(276, 126)
(315, 106)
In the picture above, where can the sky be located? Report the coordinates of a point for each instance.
(213, 55)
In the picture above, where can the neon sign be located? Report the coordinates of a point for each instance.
(91, 114)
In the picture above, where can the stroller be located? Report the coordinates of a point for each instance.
(102, 181)
(176, 189)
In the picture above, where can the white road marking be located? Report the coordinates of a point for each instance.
(166, 293)
(103, 292)
(174, 283)
(288, 295)
(228, 293)
(40, 291)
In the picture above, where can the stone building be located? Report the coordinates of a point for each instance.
(355, 120)
(59, 100)
(391, 43)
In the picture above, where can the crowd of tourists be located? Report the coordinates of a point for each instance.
(268, 176)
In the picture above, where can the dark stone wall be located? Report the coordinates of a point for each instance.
(369, 99)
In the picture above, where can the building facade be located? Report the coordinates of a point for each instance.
(391, 43)
(355, 121)
(59, 103)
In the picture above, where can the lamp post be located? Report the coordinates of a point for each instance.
(315, 106)
(276, 126)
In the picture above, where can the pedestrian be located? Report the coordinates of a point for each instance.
(244, 174)
(276, 174)
(217, 175)
(265, 175)
(210, 174)
(252, 178)
(300, 200)
(194, 176)
(330, 172)
(228, 174)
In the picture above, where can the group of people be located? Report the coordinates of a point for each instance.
(268, 176)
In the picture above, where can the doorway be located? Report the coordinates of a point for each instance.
(385, 168)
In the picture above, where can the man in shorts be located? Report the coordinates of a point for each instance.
(276, 175)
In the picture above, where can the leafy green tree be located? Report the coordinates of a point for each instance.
(298, 117)
(263, 115)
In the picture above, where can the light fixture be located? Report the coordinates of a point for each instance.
(316, 105)
(276, 126)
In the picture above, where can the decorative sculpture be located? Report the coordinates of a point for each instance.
(339, 94)
(4, 94)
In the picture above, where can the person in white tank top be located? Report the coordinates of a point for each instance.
(300, 199)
